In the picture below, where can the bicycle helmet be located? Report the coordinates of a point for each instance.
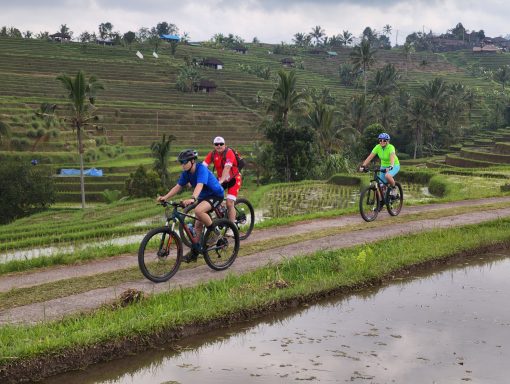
(187, 155)
(384, 136)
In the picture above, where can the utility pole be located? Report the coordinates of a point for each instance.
(396, 38)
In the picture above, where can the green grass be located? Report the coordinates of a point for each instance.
(298, 278)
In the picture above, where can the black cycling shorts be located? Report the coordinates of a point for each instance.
(213, 200)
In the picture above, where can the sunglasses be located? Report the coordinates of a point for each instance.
(219, 144)
(183, 161)
(382, 141)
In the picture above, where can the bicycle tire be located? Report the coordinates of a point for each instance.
(394, 204)
(219, 250)
(368, 204)
(245, 218)
(152, 259)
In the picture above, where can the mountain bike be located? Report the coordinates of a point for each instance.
(245, 218)
(374, 197)
(161, 250)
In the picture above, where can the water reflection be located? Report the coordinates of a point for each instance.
(450, 326)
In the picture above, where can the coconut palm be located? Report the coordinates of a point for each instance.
(363, 57)
(407, 51)
(385, 81)
(81, 96)
(357, 114)
(161, 153)
(502, 75)
(418, 117)
(322, 120)
(346, 38)
(286, 98)
(317, 33)
(387, 29)
(386, 108)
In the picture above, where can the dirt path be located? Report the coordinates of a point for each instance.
(54, 309)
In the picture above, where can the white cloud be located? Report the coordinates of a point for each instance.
(271, 21)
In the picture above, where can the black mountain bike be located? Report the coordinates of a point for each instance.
(160, 253)
(245, 218)
(374, 197)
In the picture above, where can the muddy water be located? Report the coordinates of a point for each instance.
(448, 326)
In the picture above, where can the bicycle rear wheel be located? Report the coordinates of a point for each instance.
(220, 249)
(394, 202)
(160, 254)
(368, 204)
(245, 218)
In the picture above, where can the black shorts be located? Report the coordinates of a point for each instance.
(213, 200)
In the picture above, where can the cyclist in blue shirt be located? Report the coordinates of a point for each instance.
(208, 192)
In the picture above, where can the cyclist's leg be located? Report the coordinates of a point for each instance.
(232, 194)
(204, 206)
(390, 175)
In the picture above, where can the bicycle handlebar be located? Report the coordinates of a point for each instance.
(374, 169)
(165, 204)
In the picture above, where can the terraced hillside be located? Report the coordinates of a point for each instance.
(140, 101)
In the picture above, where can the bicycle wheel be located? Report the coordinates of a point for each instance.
(245, 218)
(368, 204)
(160, 254)
(395, 202)
(220, 249)
(187, 220)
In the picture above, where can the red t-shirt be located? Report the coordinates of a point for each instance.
(217, 159)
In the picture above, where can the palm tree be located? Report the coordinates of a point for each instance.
(407, 51)
(386, 112)
(286, 98)
(363, 56)
(418, 117)
(317, 33)
(387, 29)
(346, 38)
(299, 39)
(357, 114)
(502, 75)
(322, 120)
(434, 93)
(82, 97)
(385, 81)
(161, 152)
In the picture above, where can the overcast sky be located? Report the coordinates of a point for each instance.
(272, 21)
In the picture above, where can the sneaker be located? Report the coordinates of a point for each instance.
(229, 232)
(394, 191)
(192, 255)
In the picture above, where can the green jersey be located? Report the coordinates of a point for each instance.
(384, 154)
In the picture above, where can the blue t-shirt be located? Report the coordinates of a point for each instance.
(212, 187)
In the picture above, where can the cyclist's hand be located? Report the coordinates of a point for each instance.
(160, 199)
(390, 168)
(187, 202)
(362, 168)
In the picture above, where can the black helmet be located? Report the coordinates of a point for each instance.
(187, 155)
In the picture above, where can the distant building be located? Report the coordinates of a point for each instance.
(206, 86)
(487, 48)
(170, 38)
(288, 62)
(212, 63)
(240, 49)
(332, 54)
(104, 41)
(60, 37)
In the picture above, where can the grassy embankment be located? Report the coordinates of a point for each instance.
(296, 280)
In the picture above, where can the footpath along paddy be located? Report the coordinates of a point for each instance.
(270, 251)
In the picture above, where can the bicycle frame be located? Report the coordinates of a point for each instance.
(177, 216)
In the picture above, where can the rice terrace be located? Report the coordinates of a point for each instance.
(91, 126)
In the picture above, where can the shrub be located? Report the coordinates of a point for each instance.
(142, 183)
(111, 196)
(24, 189)
(438, 186)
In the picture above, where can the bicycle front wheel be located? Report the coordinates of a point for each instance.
(245, 218)
(395, 200)
(368, 204)
(160, 254)
(221, 245)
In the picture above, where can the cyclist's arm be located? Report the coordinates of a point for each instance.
(225, 175)
(368, 159)
(392, 159)
(174, 191)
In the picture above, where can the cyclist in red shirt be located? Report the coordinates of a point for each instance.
(225, 163)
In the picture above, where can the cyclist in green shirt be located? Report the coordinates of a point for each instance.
(389, 159)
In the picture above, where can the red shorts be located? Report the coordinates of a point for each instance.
(233, 191)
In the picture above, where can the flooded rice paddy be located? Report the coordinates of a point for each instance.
(450, 325)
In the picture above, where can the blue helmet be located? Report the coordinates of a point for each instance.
(384, 136)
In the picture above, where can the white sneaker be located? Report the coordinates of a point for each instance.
(229, 233)
(394, 191)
